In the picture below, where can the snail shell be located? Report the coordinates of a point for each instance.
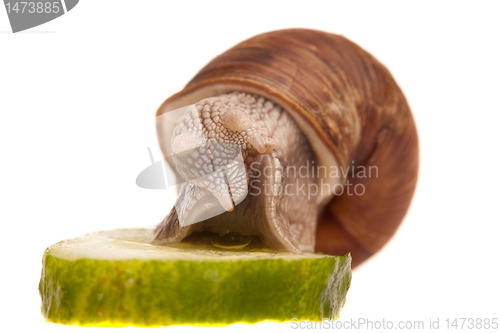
(352, 112)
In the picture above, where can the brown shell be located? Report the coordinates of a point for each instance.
(354, 105)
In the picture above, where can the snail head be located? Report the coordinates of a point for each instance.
(213, 145)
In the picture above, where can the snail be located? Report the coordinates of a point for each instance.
(295, 99)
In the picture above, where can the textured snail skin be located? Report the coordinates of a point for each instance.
(349, 107)
(261, 194)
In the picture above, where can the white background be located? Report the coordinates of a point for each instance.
(77, 102)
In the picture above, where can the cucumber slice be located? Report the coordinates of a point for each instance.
(118, 278)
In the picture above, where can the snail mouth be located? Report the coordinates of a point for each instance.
(217, 171)
(199, 214)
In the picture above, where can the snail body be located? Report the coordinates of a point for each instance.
(302, 98)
